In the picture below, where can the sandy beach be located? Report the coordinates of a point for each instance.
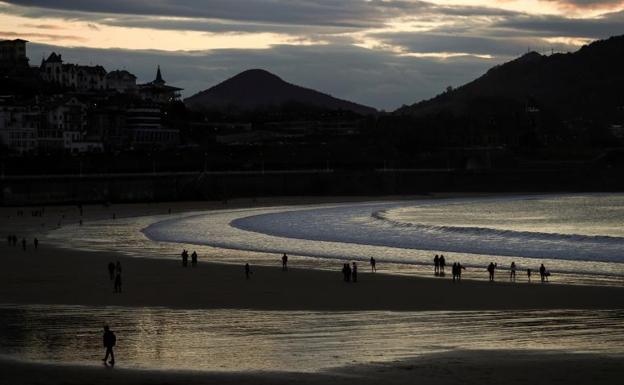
(57, 276)
(461, 367)
(51, 275)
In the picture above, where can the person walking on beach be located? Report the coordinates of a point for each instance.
(436, 265)
(36, 243)
(373, 264)
(184, 258)
(442, 264)
(117, 284)
(111, 270)
(512, 272)
(490, 270)
(529, 274)
(247, 271)
(354, 272)
(284, 262)
(542, 271)
(194, 259)
(460, 267)
(110, 340)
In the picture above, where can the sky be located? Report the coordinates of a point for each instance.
(382, 53)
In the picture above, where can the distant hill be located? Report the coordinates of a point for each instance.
(584, 84)
(257, 89)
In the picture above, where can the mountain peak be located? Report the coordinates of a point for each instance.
(260, 89)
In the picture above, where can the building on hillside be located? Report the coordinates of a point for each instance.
(78, 77)
(145, 129)
(13, 53)
(19, 125)
(64, 121)
(158, 91)
(121, 81)
(107, 124)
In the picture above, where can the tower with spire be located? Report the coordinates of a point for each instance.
(158, 91)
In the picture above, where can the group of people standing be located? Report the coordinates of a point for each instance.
(12, 241)
(438, 265)
(185, 257)
(349, 272)
(544, 274)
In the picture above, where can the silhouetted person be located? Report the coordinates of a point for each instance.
(184, 258)
(442, 264)
(344, 272)
(24, 244)
(373, 264)
(36, 243)
(109, 340)
(111, 270)
(247, 271)
(529, 275)
(490, 270)
(460, 267)
(118, 267)
(436, 265)
(454, 271)
(354, 272)
(284, 262)
(542, 271)
(80, 222)
(512, 272)
(118, 283)
(194, 259)
(348, 272)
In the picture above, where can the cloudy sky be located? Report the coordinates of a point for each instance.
(382, 53)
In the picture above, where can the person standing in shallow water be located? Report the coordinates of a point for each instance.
(194, 259)
(512, 272)
(542, 271)
(436, 265)
(110, 340)
(36, 243)
(247, 271)
(373, 264)
(529, 275)
(284, 262)
(442, 264)
(490, 270)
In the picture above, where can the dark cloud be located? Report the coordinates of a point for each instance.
(346, 13)
(40, 36)
(587, 3)
(507, 47)
(555, 26)
(379, 79)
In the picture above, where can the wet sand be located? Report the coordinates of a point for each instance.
(461, 367)
(55, 276)
(51, 275)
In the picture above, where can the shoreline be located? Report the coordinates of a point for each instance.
(54, 275)
(69, 277)
(458, 367)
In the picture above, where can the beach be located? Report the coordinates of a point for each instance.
(481, 367)
(54, 276)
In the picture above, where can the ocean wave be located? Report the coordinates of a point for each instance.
(471, 231)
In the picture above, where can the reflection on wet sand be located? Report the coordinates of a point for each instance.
(291, 340)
